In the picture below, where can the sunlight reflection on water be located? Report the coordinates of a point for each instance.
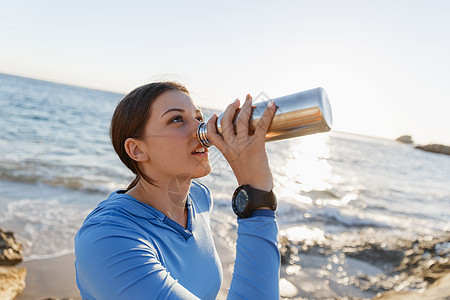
(305, 169)
(304, 234)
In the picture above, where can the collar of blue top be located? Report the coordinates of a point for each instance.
(140, 209)
(144, 210)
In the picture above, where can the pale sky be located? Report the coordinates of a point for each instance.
(385, 64)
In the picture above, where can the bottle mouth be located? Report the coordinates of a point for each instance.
(202, 135)
(325, 107)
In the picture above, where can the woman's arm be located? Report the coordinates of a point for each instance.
(257, 264)
(256, 268)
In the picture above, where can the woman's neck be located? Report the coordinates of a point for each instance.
(168, 197)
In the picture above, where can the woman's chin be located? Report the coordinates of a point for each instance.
(202, 171)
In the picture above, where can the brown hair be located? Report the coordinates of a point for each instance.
(129, 121)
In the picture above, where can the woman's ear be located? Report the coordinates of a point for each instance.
(134, 150)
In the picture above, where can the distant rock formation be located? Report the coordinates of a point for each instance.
(406, 139)
(436, 148)
(12, 279)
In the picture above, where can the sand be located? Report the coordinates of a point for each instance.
(50, 278)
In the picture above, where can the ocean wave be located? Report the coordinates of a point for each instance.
(73, 183)
(46, 227)
(337, 216)
(47, 256)
(83, 178)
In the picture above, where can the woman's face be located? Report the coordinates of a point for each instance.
(170, 138)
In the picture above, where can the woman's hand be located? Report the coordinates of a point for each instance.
(245, 153)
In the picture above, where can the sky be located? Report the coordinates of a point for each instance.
(385, 64)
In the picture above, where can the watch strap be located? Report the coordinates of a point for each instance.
(262, 199)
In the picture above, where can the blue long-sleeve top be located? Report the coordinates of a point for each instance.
(126, 249)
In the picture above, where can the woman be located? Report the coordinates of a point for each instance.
(153, 240)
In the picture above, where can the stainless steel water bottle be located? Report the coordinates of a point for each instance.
(298, 114)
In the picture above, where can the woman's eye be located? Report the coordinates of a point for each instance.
(180, 119)
(176, 119)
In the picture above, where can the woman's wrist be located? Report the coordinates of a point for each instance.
(259, 178)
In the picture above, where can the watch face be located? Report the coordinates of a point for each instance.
(241, 201)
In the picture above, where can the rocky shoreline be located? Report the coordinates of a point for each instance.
(439, 290)
(434, 148)
(12, 277)
(395, 267)
(13, 274)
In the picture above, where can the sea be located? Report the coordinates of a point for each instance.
(351, 208)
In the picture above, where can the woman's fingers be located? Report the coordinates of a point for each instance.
(266, 120)
(213, 136)
(227, 119)
(234, 146)
(245, 153)
(243, 119)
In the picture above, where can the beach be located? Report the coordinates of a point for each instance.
(308, 270)
(358, 216)
(55, 278)
(50, 278)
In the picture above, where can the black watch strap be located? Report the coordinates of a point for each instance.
(263, 199)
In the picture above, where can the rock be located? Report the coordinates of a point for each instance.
(407, 139)
(10, 249)
(12, 281)
(439, 290)
(376, 255)
(287, 289)
(436, 148)
(397, 266)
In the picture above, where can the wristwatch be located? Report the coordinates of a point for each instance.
(246, 199)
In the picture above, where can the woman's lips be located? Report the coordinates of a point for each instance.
(200, 151)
